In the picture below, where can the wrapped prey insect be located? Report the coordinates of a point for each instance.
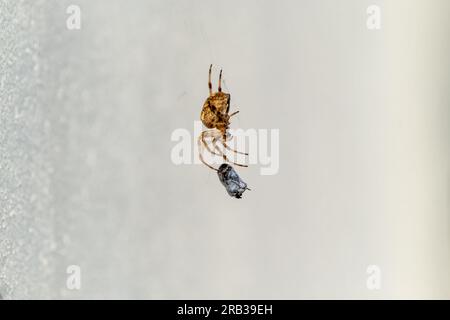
(231, 181)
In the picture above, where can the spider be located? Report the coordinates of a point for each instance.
(215, 117)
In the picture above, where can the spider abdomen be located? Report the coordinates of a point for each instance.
(215, 110)
(212, 119)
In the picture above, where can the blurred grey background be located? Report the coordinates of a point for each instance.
(86, 176)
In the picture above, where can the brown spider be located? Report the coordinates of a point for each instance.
(216, 118)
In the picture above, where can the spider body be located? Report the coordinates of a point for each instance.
(215, 116)
(215, 111)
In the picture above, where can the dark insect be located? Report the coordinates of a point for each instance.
(231, 181)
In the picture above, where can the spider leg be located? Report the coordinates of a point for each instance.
(236, 112)
(217, 147)
(209, 80)
(220, 81)
(224, 138)
(225, 157)
(235, 151)
(214, 141)
(200, 154)
(203, 136)
(238, 164)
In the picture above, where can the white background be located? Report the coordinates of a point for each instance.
(86, 175)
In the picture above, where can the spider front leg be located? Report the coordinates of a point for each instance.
(199, 142)
(220, 81)
(223, 154)
(235, 151)
(209, 80)
(205, 144)
(225, 138)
